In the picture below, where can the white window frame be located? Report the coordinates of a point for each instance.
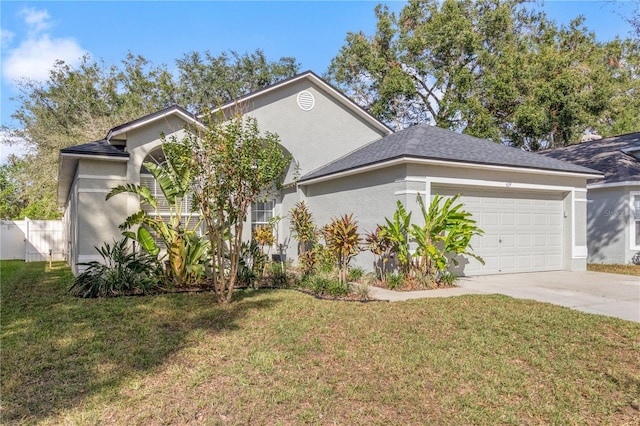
(254, 211)
(633, 222)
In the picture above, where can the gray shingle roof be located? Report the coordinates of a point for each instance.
(101, 147)
(605, 155)
(428, 142)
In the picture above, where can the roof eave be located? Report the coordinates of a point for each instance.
(186, 116)
(601, 185)
(414, 160)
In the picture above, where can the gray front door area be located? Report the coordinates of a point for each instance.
(593, 292)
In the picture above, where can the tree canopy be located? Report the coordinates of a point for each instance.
(80, 104)
(492, 69)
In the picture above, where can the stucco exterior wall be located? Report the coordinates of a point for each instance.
(372, 196)
(315, 137)
(143, 140)
(608, 224)
(96, 220)
(369, 196)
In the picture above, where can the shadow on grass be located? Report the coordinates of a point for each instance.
(58, 350)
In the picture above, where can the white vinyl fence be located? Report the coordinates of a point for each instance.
(32, 240)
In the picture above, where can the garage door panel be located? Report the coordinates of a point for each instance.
(490, 219)
(524, 241)
(507, 219)
(523, 231)
(524, 262)
(524, 219)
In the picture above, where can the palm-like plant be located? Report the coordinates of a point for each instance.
(446, 233)
(185, 250)
(343, 241)
(396, 231)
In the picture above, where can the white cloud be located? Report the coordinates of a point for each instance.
(34, 56)
(11, 145)
(6, 37)
(36, 20)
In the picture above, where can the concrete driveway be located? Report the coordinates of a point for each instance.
(594, 292)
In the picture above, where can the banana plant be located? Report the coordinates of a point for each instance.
(396, 231)
(446, 233)
(185, 250)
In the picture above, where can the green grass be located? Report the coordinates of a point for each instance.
(282, 357)
(614, 268)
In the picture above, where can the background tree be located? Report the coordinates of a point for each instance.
(80, 104)
(492, 69)
(232, 165)
(207, 81)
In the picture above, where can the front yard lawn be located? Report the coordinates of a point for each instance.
(283, 357)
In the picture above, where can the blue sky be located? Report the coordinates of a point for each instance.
(34, 34)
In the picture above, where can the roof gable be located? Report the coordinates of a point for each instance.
(325, 87)
(615, 157)
(150, 118)
(433, 143)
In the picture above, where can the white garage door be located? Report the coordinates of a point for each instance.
(523, 231)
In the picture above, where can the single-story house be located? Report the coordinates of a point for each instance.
(532, 208)
(613, 206)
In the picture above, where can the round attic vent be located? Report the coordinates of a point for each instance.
(306, 100)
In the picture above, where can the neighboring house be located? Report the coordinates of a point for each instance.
(613, 209)
(532, 208)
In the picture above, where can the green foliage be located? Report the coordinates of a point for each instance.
(396, 232)
(208, 81)
(381, 247)
(21, 194)
(326, 284)
(355, 273)
(445, 234)
(277, 273)
(342, 241)
(185, 251)
(252, 263)
(492, 69)
(121, 272)
(394, 280)
(232, 164)
(302, 227)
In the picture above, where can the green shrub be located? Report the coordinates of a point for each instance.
(252, 263)
(120, 273)
(278, 275)
(355, 273)
(326, 285)
(361, 290)
(395, 280)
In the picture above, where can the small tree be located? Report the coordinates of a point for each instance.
(232, 165)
